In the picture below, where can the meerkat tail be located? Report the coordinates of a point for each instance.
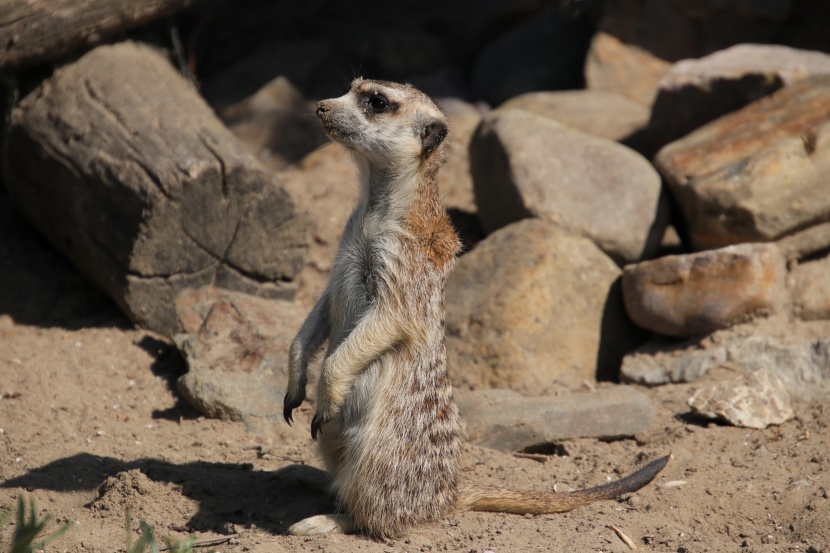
(475, 498)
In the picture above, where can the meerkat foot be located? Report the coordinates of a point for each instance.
(322, 524)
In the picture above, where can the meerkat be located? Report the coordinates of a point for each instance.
(389, 430)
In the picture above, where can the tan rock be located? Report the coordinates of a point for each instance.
(596, 112)
(276, 124)
(454, 178)
(616, 66)
(324, 187)
(758, 173)
(534, 308)
(236, 348)
(525, 165)
(696, 91)
(683, 295)
(805, 242)
(811, 289)
(755, 400)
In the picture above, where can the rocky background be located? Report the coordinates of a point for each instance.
(642, 188)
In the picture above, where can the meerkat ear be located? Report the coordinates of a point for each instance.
(432, 135)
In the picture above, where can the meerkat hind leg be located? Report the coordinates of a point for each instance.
(322, 524)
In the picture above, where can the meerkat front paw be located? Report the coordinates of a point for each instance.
(329, 400)
(293, 399)
(325, 412)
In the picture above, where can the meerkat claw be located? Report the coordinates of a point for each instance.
(316, 426)
(288, 408)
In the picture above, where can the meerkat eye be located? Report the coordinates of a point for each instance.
(378, 103)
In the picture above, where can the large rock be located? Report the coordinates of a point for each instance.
(697, 91)
(638, 39)
(683, 295)
(324, 187)
(525, 165)
(508, 421)
(533, 307)
(122, 166)
(613, 65)
(811, 289)
(454, 178)
(596, 112)
(756, 174)
(236, 348)
(754, 400)
(276, 124)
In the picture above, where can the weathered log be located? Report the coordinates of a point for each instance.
(35, 32)
(127, 171)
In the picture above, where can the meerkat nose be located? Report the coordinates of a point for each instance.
(322, 108)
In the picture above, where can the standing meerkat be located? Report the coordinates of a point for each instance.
(389, 430)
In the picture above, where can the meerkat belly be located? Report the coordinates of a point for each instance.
(395, 475)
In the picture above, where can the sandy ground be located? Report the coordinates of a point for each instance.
(92, 426)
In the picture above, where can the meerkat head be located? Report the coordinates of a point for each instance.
(392, 125)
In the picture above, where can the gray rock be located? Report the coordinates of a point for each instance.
(547, 312)
(770, 181)
(236, 348)
(803, 366)
(798, 353)
(697, 91)
(508, 421)
(526, 165)
(811, 289)
(755, 400)
(683, 295)
(659, 363)
(595, 112)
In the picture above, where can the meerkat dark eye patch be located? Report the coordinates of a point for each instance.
(432, 135)
(378, 103)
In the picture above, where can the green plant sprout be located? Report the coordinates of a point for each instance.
(26, 531)
(148, 539)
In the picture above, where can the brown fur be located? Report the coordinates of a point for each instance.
(389, 429)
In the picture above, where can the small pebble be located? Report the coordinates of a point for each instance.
(561, 487)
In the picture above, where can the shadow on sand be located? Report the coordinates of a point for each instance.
(227, 493)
